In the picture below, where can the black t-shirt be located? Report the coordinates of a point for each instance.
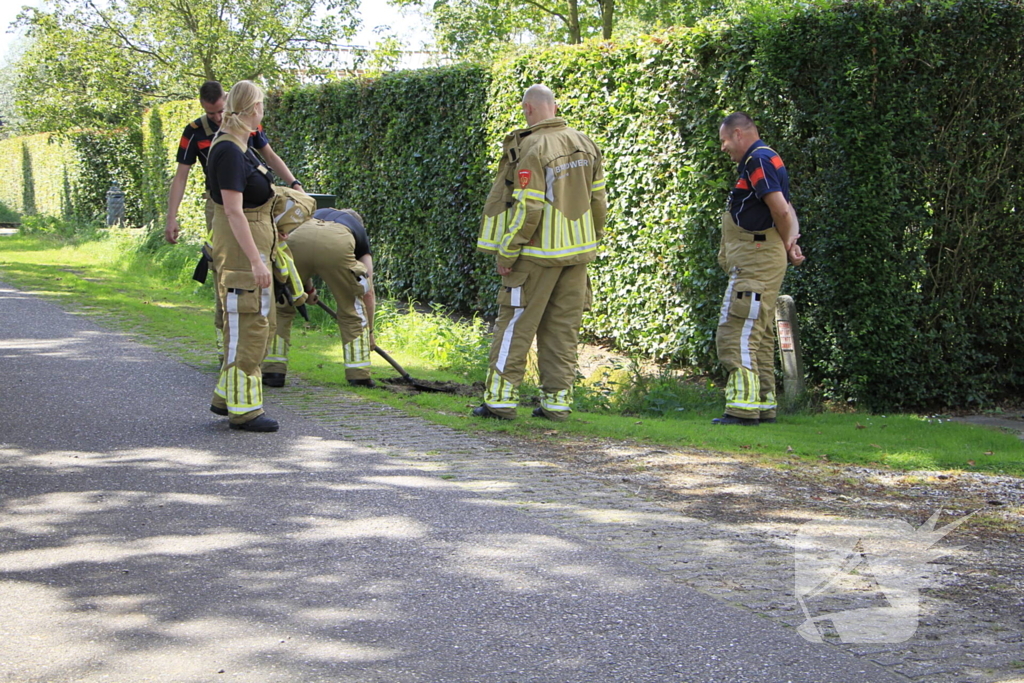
(228, 168)
(352, 223)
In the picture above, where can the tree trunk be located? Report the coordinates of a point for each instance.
(607, 18)
(574, 22)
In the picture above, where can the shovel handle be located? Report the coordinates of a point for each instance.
(394, 363)
(327, 308)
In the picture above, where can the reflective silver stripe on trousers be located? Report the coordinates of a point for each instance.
(723, 316)
(231, 306)
(506, 340)
(748, 327)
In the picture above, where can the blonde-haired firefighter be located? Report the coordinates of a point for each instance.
(195, 146)
(334, 246)
(244, 246)
(543, 220)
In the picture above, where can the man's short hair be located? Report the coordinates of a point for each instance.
(211, 92)
(738, 119)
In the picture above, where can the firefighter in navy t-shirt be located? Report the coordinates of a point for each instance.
(759, 234)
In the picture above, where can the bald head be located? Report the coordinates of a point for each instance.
(538, 104)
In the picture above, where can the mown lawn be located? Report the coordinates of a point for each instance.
(150, 294)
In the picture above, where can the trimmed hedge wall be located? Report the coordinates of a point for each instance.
(898, 122)
(70, 175)
(37, 177)
(902, 124)
(409, 151)
(161, 132)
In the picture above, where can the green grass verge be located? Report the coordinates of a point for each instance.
(149, 292)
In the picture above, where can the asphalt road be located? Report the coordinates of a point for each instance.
(142, 540)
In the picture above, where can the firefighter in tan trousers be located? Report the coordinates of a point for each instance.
(543, 219)
(759, 233)
(244, 249)
(329, 249)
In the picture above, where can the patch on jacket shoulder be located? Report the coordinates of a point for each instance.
(524, 178)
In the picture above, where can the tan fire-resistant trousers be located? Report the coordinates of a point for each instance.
(248, 314)
(756, 263)
(325, 248)
(546, 303)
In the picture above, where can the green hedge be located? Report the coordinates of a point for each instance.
(36, 176)
(409, 151)
(902, 125)
(161, 132)
(654, 111)
(899, 123)
(69, 175)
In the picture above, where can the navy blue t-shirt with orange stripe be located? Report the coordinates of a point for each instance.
(195, 142)
(761, 172)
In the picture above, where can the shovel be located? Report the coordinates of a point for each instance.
(423, 386)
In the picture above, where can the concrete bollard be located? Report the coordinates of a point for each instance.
(115, 205)
(789, 346)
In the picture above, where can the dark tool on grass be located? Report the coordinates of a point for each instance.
(423, 386)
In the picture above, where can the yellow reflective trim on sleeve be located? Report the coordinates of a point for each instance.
(524, 194)
(492, 229)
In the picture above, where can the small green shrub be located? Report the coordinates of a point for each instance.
(449, 343)
(664, 394)
(8, 215)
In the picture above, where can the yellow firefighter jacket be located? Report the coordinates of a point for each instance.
(548, 203)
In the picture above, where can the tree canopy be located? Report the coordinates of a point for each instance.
(482, 28)
(91, 63)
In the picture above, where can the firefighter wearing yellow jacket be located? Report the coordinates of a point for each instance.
(543, 219)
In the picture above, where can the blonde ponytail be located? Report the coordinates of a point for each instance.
(241, 100)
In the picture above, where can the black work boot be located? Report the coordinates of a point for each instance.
(259, 424)
(363, 383)
(484, 411)
(273, 379)
(218, 410)
(733, 420)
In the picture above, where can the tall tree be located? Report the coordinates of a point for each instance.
(100, 60)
